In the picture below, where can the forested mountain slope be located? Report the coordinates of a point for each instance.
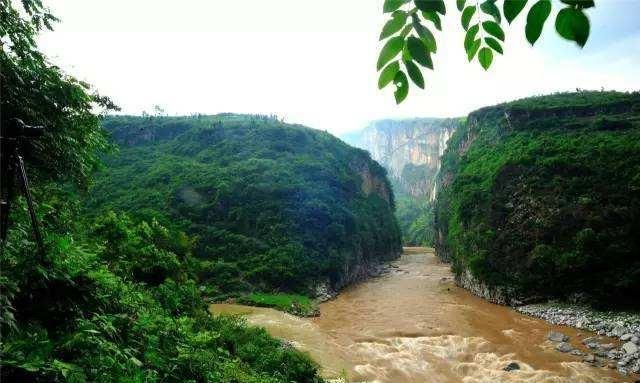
(541, 198)
(272, 206)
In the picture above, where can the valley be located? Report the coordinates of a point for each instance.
(410, 151)
(184, 199)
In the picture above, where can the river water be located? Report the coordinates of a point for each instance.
(414, 325)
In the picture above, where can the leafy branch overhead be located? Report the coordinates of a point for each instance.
(410, 41)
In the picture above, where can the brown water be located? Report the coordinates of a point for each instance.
(415, 325)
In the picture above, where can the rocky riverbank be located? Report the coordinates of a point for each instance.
(326, 291)
(623, 326)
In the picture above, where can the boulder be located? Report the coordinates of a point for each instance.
(512, 367)
(564, 347)
(618, 331)
(607, 346)
(630, 348)
(626, 337)
(555, 336)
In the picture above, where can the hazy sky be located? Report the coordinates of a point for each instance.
(313, 61)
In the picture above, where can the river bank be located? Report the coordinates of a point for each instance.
(624, 326)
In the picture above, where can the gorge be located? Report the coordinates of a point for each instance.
(410, 151)
(162, 221)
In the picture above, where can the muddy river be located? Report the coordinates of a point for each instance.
(414, 325)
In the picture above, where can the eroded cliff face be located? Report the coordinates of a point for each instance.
(409, 149)
(372, 183)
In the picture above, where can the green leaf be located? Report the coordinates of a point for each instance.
(512, 9)
(470, 37)
(580, 4)
(406, 56)
(388, 74)
(398, 20)
(414, 74)
(402, 86)
(493, 29)
(425, 34)
(473, 48)
(573, 24)
(434, 18)
(485, 56)
(419, 52)
(489, 7)
(460, 4)
(494, 44)
(393, 5)
(431, 5)
(390, 50)
(405, 31)
(467, 15)
(536, 18)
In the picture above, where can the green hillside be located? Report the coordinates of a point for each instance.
(541, 198)
(272, 206)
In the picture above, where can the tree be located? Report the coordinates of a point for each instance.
(410, 43)
(39, 93)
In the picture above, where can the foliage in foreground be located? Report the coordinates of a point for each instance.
(542, 196)
(410, 41)
(117, 300)
(272, 207)
(113, 300)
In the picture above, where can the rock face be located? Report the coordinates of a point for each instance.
(409, 149)
(495, 294)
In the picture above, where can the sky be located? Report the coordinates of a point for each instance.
(313, 61)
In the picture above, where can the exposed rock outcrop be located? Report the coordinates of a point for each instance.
(409, 149)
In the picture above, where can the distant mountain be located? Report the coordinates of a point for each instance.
(409, 149)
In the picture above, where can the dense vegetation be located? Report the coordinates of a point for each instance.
(118, 300)
(414, 210)
(542, 197)
(272, 207)
(415, 218)
(113, 298)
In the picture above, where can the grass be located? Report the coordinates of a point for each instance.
(299, 305)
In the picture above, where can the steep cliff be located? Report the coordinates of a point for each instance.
(273, 206)
(409, 149)
(540, 198)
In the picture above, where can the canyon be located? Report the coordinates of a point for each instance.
(409, 150)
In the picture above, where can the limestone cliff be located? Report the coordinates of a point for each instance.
(409, 149)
